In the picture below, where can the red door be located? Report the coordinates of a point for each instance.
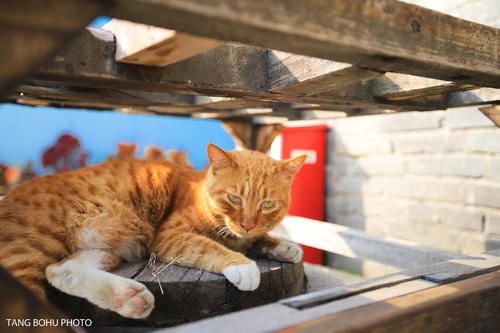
(309, 184)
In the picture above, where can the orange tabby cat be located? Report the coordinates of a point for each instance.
(71, 229)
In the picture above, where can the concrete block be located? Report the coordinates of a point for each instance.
(466, 118)
(493, 224)
(494, 169)
(359, 185)
(429, 142)
(453, 165)
(437, 236)
(484, 194)
(425, 187)
(357, 145)
(395, 122)
(376, 206)
(343, 205)
(382, 165)
(487, 140)
(456, 216)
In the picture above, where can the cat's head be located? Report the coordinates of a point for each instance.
(250, 189)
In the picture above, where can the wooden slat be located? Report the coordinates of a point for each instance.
(251, 135)
(31, 31)
(89, 61)
(471, 305)
(358, 244)
(296, 75)
(493, 113)
(342, 298)
(382, 35)
(235, 71)
(152, 46)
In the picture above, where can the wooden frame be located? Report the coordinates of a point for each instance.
(350, 56)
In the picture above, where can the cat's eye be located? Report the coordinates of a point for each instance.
(234, 199)
(267, 204)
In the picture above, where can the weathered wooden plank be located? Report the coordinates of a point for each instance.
(354, 296)
(493, 113)
(473, 97)
(382, 35)
(296, 75)
(253, 136)
(32, 30)
(472, 305)
(458, 269)
(113, 98)
(152, 46)
(358, 244)
(235, 71)
(89, 61)
(185, 294)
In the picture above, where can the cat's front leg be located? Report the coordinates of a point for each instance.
(194, 250)
(278, 249)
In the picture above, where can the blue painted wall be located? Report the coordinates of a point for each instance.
(25, 132)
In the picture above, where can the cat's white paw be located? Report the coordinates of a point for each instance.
(244, 277)
(133, 301)
(286, 251)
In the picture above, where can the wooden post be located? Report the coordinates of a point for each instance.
(253, 136)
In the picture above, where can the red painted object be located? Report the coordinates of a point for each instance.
(308, 187)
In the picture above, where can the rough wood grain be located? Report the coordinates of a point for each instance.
(191, 294)
(236, 70)
(296, 75)
(31, 31)
(471, 305)
(382, 35)
(493, 113)
(251, 135)
(152, 46)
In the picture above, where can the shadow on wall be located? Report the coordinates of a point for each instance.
(428, 177)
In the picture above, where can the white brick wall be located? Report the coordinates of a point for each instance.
(429, 177)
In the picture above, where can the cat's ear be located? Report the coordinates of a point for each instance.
(219, 159)
(291, 166)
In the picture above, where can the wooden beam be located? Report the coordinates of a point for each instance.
(472, 305)
(358, 244)
(493, 113)
(381, 35)
(88, 61)
(31, 31)
(235, 71)
(253, 136)
(295, 75)
(152, 46)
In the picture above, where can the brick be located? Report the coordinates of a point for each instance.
(355, 145)
(494, 170)
(437, 236)
(454, 165)
(455, 216)
(425, 142)
(487, 140)
(382, 165)
(483, 194)
(396, 122)
(376, 206)
(343, 205)
(428, 188)
(466, 118)
(358, 185)
(493, 224)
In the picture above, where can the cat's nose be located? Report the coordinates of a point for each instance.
(248, 227)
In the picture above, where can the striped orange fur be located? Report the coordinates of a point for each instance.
(130, 208)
